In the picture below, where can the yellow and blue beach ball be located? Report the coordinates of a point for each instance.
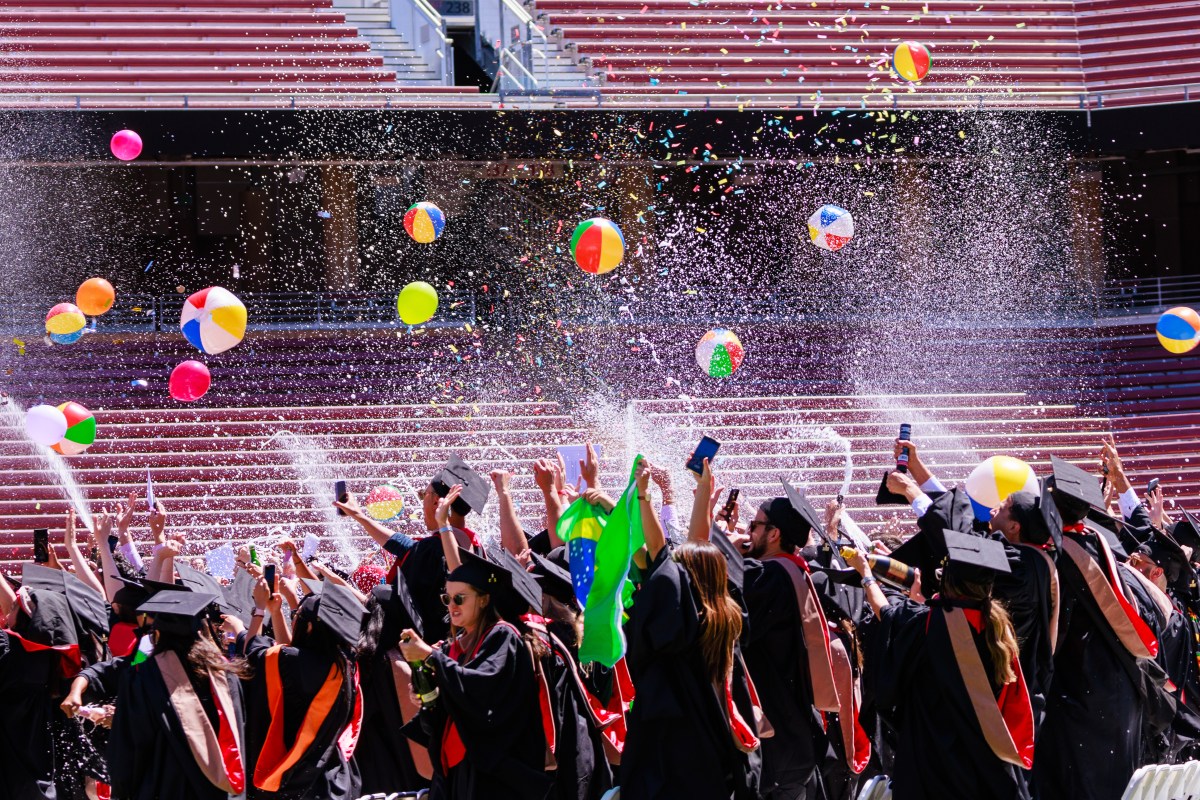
(990, 484)
(1179, 330)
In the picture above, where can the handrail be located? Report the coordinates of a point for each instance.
(425, 32)
(504, 25)
(1151, 294)
(524, 83)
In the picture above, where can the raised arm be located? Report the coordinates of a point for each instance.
(108, 567)
(124, 539)
(700, 527)
(547, 476)
(441, 515)
(652, 528)
(374, 529)
(512, 536)
(875, 596)
(82, 570)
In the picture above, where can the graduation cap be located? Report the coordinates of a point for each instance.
(1167, 553)
(972, 557)
(736, 562)
(475, 488)
(1187, 532)
(200, 581)
(483, 575)
(131, 593)
(314, 585)
(341, 612)
(1074, 491)
(154, 587)
(180, 613)
(555, 580)
(87, 605)
(1050, 515)
(525, 585)
(886, 497)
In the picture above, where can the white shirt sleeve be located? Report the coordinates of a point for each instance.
(1129, 502)
(666, 514)
(932, 485)
(131, 555)
(921, 504)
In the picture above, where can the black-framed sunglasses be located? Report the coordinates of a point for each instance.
(455, 599)
(758, 522)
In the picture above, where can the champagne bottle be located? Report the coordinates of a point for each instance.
(889, 570)
(424, 685)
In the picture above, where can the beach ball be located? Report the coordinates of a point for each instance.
(213, 320)
(830, 227)
(424, 222)
(719, 353)
(189, 381)
(994, 480)
(126, 145)
(95, 296)
(65, 323)
(597, 245)
(384, 504)
(911, 61)
(417, 303)
(45, 425)
(81, 430)
(1179, 330)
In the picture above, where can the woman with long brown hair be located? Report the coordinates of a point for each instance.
(178, 727)
(947, 675)
(691, 729)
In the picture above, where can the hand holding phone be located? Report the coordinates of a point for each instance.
(41, 545)
(341, 495)
(269, 575)
(707, 448)
(1152, 486)
(727, 510)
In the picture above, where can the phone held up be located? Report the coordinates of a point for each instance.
(341, 495)
(41, 545)
(269, 576)
(707, 448)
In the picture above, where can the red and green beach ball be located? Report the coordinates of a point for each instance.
(719, 353)
(597, 245)
(424, 222)
(911, 61)
(81, 430)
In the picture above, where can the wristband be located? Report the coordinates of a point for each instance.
(258, 612)
(868, 581)
(445, 529)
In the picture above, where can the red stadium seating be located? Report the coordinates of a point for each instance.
(168, 54)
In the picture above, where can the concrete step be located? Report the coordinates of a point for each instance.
(372, 20)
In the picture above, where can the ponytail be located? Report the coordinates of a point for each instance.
(998, 630)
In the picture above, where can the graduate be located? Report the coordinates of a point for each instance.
(178, 727)
(692, 729)
(1102, 690)
(304, 705)
(947, 676)
(484, 733)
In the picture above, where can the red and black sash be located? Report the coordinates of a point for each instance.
(69, 660)
(276, 758)
(1108, 591)
(815, 629)
(217, 753)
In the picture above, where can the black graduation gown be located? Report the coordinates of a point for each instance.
(583, 771)
(148, 755)
(322, 773)
(940, 750)
(26, 746)
(1026, 593)
(679, 743)
(383, 754)
(778, 663)
(1091, 737)
(491, 695)
(424, 568)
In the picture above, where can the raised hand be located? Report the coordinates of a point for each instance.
(589, 468)
(442, 513)
(500, 479)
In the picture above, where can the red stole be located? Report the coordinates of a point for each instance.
(815, 629)
(1108, 591)
(218, 753)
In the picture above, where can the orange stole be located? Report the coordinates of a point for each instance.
(276, 759)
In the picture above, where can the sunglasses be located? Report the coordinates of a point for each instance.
(455, 599)
(758, 522)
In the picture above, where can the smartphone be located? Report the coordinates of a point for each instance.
(41, 545)
(905, 435)
(269, 574)
(1150, 487)
(733, 498)
(341, 495)
(707, 448)
(113, 541)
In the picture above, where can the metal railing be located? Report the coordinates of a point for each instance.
(504, 26)
(1150, 295)
(265, 310)
(425, 31)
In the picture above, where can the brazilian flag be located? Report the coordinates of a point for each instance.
(600, 548)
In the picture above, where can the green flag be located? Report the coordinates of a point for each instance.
(620, 536)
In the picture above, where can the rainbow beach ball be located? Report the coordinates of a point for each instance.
(384, 504)
(911, 61)
(830, 228)
(65, 323)
(1179, 330)
(81, 430)
(597, 245)
(424, 222)
(213, 320)
(719, 353)
(994, 480)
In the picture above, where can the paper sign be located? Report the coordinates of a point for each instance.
(149, 491)
(311, 543)
(220, 562)
(572, 454)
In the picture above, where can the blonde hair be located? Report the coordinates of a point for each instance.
(997, 630)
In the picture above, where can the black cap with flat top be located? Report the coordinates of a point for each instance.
(970, 556)
(86, 604)
(1074, 490)
(341, 612)
(131, 593)
(555, 580)
(180, 613)
(480, 573)
(525, 585)
(475, 487)
(199, 581)
(1187, 532)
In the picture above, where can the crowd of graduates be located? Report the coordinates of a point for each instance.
(768, 652)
